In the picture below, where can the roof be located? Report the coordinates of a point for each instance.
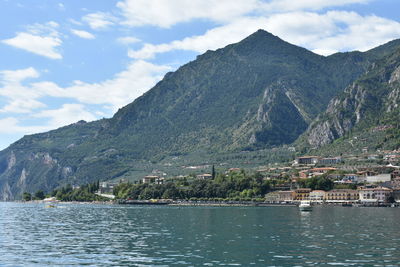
(303, 189)
(343, 191)
(376, 189)
(324, 169)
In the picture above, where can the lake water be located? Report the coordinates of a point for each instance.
(101, 235)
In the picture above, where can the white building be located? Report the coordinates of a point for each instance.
(379, 178)
(204, 176)
(377, 194)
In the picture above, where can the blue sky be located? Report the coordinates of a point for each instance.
(65, 61)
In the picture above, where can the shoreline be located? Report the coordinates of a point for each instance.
(183, 203)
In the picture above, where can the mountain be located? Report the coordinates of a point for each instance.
(258, 93)
(368, 108)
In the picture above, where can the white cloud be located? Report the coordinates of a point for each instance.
(16, 76)
(164, 14)
(51, 119)
(43, 46)
(290, 5)
(20, 99)
(212, 39)
(75, 22)
(122, 89)
(128, 40)
(40, 39)
(325, 33)
(116, 92)
(67, 114)
(333, 31)
(99, 20)
(83, 34)
(61, 6)
(22, 106)
(12, 125)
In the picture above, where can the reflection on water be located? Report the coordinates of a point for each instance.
(193, 236)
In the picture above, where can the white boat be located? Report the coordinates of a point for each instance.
(305, 205)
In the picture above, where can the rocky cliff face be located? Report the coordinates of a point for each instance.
(363, 104)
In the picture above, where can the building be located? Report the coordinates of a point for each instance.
(303, 174)
(286, 195)
(378, 178)
(376, 194)
(320, 171)
(106, 187)
(204, 176)
(392, 157)
(350, 178)
(153, 179)
(317, 195)
(339, 195)
(330, 161)
(302, 193)
(306, 160)
(395, 174)
(272, 197)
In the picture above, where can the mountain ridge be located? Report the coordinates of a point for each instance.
(260, 92)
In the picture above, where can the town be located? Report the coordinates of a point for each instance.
(367, 179)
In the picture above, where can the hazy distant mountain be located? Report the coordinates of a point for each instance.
(257, 93)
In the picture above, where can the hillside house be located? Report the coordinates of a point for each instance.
(106, 187)
(306, 160)
(330, 161)
(204, 176)
(320, 171)
(153, 179)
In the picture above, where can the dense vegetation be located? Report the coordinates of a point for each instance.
(68, 193)
(83, 193)
(234, 186)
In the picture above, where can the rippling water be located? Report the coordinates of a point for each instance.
(98, 235)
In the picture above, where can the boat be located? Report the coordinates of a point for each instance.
(305, 205)
(50, 202)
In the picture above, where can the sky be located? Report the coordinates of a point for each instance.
(71, 60)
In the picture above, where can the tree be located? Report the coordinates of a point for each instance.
(213, 172)
(26, 196)
(39, 195)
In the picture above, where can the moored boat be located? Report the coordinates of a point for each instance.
(305, 205)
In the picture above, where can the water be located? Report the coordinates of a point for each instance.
(99, 235)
